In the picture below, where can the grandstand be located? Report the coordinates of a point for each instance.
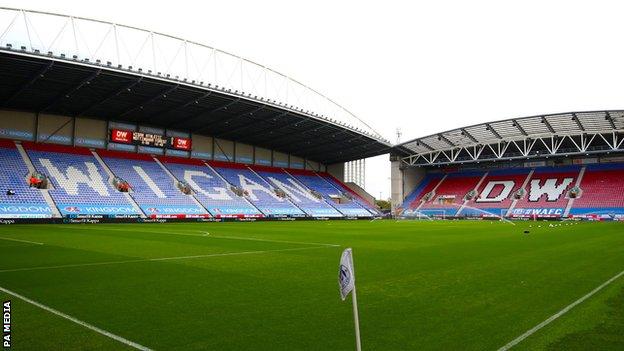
(210, 189)
(330, 193)
(78, 182)
(113, 136)
(567, 165)
(153, 188)
(297, 193)
(82, 184)
(30, 200)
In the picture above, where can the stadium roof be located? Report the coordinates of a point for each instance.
(58, 64)
(536, 136)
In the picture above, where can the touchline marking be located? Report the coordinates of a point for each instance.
(77, 321)
(558, 314)
(159, 259)
(21, 241)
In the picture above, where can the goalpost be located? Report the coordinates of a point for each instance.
(503, 212)
(439, 214)
(419, 215)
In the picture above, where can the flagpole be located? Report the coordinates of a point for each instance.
(356, 320)
(346, 283)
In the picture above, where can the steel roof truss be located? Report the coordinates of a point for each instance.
(553, 145)
(501, 147)
(526, 147)
(583, 143)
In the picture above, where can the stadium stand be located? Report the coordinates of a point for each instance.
(450, 193)
(495, 194)
(566, 191)
(296, 192)
(16, 197)
(546, 192)
(153, 189)
(121, 184)
(345, 189)
(330, 193)
(260, 193)
(417, 196)
(209, 188)
(602, 189)
(80, 185)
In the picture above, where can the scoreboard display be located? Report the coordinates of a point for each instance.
(148, 139)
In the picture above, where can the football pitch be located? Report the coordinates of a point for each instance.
(422, 285)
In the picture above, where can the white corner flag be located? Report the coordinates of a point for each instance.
(346, 283)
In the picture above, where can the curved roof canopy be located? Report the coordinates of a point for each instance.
(83, 67)
(525, 137)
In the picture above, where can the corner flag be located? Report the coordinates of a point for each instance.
(346, 278)
(346, 283)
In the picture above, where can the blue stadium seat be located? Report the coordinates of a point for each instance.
(153, 189)
(298, 193)
(258, 191)
(26, 202)
(345, 189)
(81, 186)
(210, 189)
(330, 193)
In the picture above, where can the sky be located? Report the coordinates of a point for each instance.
(421, 66)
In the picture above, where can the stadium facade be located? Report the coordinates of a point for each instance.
(548, 166)
(106, 120)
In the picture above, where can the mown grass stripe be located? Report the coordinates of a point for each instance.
(77, 321)
(160, 259)
(565, 310)
(21, 241)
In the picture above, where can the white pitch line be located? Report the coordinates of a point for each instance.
(133, 230)
(159, 259)
(269, 240)
(206, 234)
(77, 321)
(21, 241)
(565, 310)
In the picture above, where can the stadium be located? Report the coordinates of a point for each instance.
(157, 193)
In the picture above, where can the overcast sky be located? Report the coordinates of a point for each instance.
(421, 66)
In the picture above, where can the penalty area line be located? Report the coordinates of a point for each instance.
(77, 321)
(565, 310)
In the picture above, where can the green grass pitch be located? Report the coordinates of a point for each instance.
(445, 285)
